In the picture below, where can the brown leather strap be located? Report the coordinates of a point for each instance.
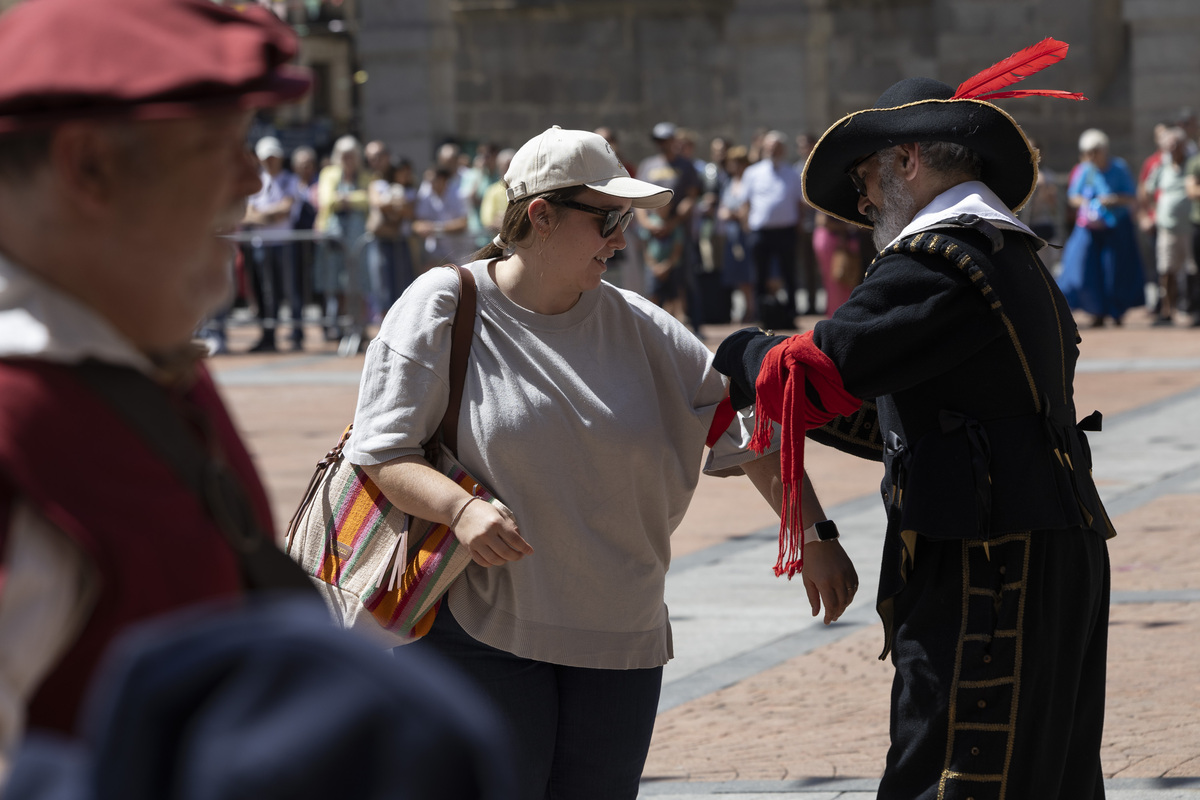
(148, 410)
(460, 351)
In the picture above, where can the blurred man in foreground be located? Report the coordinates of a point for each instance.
(125, 491)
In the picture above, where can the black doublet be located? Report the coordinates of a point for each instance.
(974, 418)
(994, 582)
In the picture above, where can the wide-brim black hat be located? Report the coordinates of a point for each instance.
(920, 110)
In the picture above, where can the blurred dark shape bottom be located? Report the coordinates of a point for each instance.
(269, 700)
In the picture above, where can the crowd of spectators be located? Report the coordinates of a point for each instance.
(356, 227)
(1132, 236)
(737, 243)
(1168, 213)
(353, 228)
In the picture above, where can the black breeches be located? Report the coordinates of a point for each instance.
(1000, 670)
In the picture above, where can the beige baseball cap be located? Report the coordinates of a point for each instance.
(268, 147)
(557, 159)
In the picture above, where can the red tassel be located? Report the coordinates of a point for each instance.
(760, 440)
(1016, 67)
(780, 394)
(791, 533)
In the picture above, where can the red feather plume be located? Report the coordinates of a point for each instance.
(1018, 66)
(1033, 92)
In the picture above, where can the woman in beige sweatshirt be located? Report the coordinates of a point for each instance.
(585, 410)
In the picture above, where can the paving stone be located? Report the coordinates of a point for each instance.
(816, 725)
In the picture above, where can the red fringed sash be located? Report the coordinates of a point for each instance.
(781, 397)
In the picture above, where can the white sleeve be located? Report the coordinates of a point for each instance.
(733, 448)
(45, 597)
(403, 391)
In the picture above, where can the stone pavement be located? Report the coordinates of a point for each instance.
(761, 701)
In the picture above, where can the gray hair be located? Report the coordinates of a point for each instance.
(22, 154)
(951, 158)
(346, 144)
(1093, 139)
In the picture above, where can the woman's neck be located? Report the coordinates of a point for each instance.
(530, 282)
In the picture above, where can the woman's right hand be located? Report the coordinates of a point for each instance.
(829, 578)
(489, 532)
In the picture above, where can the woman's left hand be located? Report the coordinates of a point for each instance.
(829, 578)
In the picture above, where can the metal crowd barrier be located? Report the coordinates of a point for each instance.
(351, 318)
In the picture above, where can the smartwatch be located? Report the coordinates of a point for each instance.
(823, 531)
(826, 530)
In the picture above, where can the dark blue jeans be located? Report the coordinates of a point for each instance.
(775, 246)
(391, 271)
(274, 279)
(580, 734)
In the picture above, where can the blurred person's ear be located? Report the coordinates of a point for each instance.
(89, 164)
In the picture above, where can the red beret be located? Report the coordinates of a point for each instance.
(141, 59)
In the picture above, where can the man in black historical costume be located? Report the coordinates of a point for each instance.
(953, 364)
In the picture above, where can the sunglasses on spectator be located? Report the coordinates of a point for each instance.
(612, 217)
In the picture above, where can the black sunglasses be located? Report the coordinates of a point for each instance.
(855, 178)
(612, 217)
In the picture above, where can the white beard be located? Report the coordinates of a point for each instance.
(898, 207)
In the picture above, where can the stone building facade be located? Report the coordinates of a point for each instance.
(503, 70)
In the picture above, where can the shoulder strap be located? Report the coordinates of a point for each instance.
(460, 352)
(144, 407)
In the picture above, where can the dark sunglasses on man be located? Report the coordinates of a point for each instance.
(855, 178)
(612, 217)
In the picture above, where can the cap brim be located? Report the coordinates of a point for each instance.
(642, 193)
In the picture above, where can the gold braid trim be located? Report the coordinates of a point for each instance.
(860, 430)
(937, 245)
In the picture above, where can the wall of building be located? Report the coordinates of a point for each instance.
(407, 50)
(503, 70)
(1165, 48)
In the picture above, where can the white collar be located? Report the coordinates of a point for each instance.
(971, 197)
(40, 321)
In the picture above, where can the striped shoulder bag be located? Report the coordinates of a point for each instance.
(380, 570)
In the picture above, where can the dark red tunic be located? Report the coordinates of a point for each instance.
(150, 540)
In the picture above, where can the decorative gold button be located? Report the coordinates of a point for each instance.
(987, 659)
(982, 704)
(974, 751)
